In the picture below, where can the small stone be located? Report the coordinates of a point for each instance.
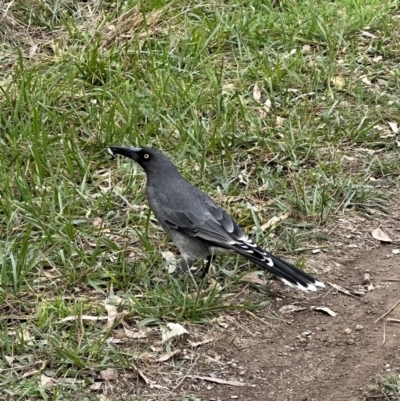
(347, 331)
(366, 279)
(350, 341)
(359, 327)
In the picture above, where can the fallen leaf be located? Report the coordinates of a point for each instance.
(366, 81)
(172, 262)
(369, 35)
(109, 374)
(97, 222)
(379, 235)
(32, 50)
(142, 333)
(34, 372)
(273, 221)
(256, 92)
(393, 126)
(112, 315)
(83, 317)
(173, 330)
(205, 340)
(112, 340)
(252, 278)
(167, 255)
(168, 355)
(291, 308)
(96, 386)
(73, 380)
(325, 309)
(212, 285)
(267, 106)
(279, 121)
(219, 381)
(339, 82)
(46, 381)
(115, 299)
(9, 359)
(26, 336)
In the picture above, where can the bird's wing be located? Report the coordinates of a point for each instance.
(212, 224)
(215, 226)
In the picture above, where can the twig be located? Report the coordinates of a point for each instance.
(343, 290)
(386, 313)
(393, 320)
(219, 381)
(384, 333)
(173, 391)
(259, 319)
(395, 280)
(133, 207)
(326, 294)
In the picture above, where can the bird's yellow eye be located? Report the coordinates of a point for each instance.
(146, 156)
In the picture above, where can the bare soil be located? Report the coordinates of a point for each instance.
(303, 355)
(309, 355)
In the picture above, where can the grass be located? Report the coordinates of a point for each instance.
(389, 387)
(272, 107)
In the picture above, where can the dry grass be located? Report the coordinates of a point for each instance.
(273, 109)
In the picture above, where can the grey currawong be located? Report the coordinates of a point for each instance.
(197, 225)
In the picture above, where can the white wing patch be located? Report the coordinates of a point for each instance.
(247, 244)
(221, 241)
(310, 286)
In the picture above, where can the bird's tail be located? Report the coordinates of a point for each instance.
(289, 274)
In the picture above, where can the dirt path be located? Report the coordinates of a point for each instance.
(310, 355)
(313, 356)
(303, 355)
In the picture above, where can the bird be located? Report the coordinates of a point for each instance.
(198, 226)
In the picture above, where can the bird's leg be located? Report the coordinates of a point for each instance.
(186, 264)
(210, 259)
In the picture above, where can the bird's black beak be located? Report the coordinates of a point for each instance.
(132, 153)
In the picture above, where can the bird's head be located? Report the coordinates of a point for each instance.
(150, 159)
